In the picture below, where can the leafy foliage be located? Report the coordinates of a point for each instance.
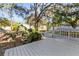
(34, 36)
(68, 13)
(36, 14)
(4, 22)
(15, 26)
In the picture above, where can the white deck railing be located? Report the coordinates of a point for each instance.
(67, 33)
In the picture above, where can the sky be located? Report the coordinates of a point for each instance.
(16, 18)
(25, 5)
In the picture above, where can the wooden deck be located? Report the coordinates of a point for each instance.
(46, 47)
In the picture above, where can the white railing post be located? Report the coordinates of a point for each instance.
(69, 34)
(76, 35)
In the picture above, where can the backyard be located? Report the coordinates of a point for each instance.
(53, 25)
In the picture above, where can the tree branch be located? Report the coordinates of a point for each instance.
(39, 16)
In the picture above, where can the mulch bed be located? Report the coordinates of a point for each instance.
(6, 44)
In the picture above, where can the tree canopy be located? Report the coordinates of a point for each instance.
(57, 12)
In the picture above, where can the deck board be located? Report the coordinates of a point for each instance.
(11, 51)
(48, 47)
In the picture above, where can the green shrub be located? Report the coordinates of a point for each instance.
(30, 30)
(15, 26)
(34, 36)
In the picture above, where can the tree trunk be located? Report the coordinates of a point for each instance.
(36, 25)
